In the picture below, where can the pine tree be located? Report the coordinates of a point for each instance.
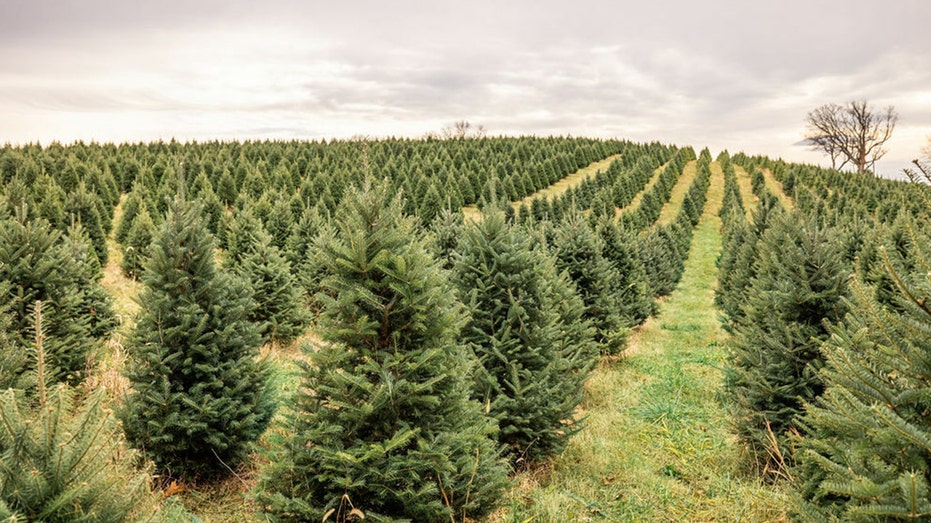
(579, 252)
(137, 243)
(81, 205)
(384, 422)
(799, 282)
(865, 456)
(12, 358)
(37, 266)
(64, 458)
(132, 205)
(199, 398)
(96, 303)
(534, 349)
(279, 300)
(636, 301)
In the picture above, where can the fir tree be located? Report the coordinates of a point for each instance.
(64, 458)
(279, 302)
(96, 302)
(636, 301)
(12, 358)
(534, 349)
(384, 421)
(579, 252)
(799, 282)
(199, 397)
(81, 205)
(38, 266)
(865, 455)
(137, 243)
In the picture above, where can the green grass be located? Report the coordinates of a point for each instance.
(558, 188)
(775, 187)
(750, 200)
(657, 444)
(670, 210)
(635, 203)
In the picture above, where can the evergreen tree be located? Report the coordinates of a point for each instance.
(64, 459)
(579, 252)
(12, 358)
(137, 243)
(81, 205)
(198, 397)
(37, 266)
(865, 455)
(534, 349)
(96, 302)
(279, 303)
(132, 205)
(636, 301)
(446, 230)
(384, 421)
(799, 282)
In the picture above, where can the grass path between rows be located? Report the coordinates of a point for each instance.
(671, 208)
(558, 188)
(750, 200)
(657, 444)
(635, 203)
(775, 187)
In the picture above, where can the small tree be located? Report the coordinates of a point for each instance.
(865, 455)
(279, 301)
(137, 243)
(384, 423)
(580, 253)
(38, 266)
(799, 281)
(851, 134)
(64, 458)
(534, 348)
(199, 397)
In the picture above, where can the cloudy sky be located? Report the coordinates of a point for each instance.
(728, 74)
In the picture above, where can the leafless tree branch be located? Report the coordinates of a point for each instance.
(851, 134)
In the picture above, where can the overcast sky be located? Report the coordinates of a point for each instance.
(739, 75)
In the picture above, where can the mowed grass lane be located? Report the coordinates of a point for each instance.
(657, 444)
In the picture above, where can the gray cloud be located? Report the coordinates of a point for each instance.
(723, 73)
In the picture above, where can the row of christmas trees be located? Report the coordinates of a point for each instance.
(830, 346)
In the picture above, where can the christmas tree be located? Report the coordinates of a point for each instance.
(199, 396)
(800, 280)
(384, 427)
(534, 348)
(865, 455)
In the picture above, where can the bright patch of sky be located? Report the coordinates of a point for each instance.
(723, 73)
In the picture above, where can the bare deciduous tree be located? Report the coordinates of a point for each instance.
(923, 164)
(461, 129)
(851, 134)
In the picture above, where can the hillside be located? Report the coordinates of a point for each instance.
(648, 333)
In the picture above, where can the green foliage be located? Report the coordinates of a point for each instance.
(534, 348)
(279, 302)
(866, 453)
(95, 304)
(799, 281)
(12, 358)
(635, 299)
(136, 244)
(198, 394)
(65, 460)
(384, 421)
(82, 206)
(580, 253)
(39, 265)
